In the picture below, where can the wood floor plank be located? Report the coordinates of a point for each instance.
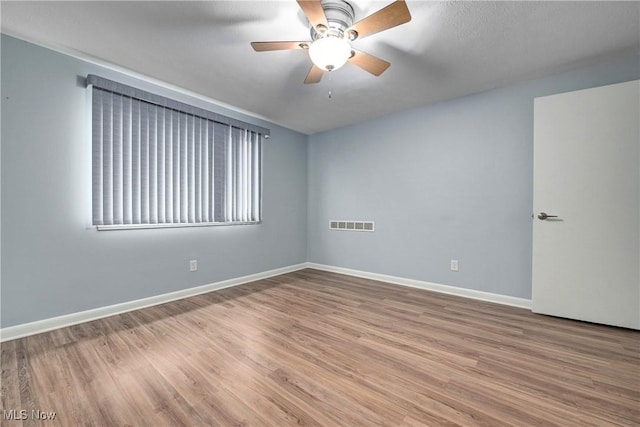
(316, 348)
(9, 384)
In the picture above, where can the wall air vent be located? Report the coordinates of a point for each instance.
(351, 225)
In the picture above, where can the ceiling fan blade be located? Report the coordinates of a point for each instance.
(314, 12)
(314, 76)
(395, 14)
(266, 46)
(370, 63)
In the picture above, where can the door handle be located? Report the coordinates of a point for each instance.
(543, 216)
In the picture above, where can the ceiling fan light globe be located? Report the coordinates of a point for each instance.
(330, 53)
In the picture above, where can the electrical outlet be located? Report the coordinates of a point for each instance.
(454, 265)
(193, 265)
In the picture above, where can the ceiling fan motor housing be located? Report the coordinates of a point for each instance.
(339, 15)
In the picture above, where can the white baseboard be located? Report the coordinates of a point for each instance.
(40, 326)
(445, 289)
(37, 327)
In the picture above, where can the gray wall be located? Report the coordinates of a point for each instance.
(54, 263)
(448, 181)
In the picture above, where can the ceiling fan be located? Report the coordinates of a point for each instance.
(332, 31)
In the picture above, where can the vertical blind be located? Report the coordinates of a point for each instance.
(159, 161)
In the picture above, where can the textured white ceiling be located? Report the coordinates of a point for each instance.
(449, 49)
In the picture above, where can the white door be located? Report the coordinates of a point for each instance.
(586, 262)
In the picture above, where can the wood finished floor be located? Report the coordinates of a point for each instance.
(322, 349)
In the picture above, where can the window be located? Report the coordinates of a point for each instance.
(159, 162)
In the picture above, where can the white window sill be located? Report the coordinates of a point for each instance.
(179, 225)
